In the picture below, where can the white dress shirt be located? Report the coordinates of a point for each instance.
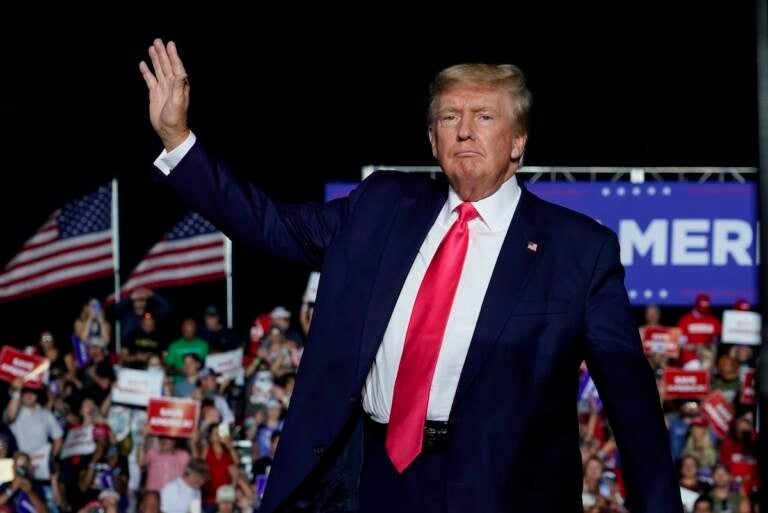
(486, 235)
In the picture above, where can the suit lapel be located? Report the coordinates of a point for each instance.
(415, 216)
(514, 265)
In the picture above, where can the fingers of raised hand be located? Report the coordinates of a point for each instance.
(176, 65)
(149, 78)
(162, 57)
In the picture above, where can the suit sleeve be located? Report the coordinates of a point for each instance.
(627, 388)
(247, 215)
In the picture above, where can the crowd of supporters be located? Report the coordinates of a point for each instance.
(119, 466)
(716, 462)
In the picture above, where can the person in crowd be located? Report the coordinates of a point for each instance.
(188, 343)
(281, 318)
(700, 442)
(141, 343)
(210, 388)
(220, 455)
(162, 458)
(179, 495)
(142, 300)
(149, 501)
(727, 379)
(273, 423)
(262, 462)
(689, 473)
(225, 499)
(698, 327)
(95, 380)
(679, 425)
(33, 426)
(724, 499)
(185, 387)
(22, 493)
(61, 365)
(107, 470)
(703, 505)
(220, 339)
(739, 450)
(92, 323)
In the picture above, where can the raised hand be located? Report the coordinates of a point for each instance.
(168, 93)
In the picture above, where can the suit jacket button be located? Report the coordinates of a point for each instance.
(318, 450)
(353, 399)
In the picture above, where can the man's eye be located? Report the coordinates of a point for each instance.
(486, 117)
(448, 117)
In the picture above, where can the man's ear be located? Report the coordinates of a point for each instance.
(518, 146)
(432, 140)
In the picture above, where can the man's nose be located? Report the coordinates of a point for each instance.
(466, 130)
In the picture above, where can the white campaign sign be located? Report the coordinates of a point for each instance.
(135, 387)
(79, 442)
(40, 460)
(741, 327)
(229, 365)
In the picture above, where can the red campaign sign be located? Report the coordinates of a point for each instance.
(685, 384)
(661, 339)
(719, 413)
(748, 387)
(170, 416)
(15, 364)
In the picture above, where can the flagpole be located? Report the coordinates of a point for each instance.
(228, 270)
(116, 259)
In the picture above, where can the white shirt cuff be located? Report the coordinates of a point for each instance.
(169, 160)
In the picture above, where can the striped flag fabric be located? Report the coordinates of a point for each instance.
(192, 251)
(588, 391)
(74, 245)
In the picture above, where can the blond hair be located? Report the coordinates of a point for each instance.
(506, 76)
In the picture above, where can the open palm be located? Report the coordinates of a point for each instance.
(168, 93)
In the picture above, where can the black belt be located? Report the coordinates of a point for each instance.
(436, 433)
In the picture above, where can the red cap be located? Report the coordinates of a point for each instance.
(743, 305)
(703, 303)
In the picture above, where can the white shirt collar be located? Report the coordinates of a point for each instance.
(495, 210)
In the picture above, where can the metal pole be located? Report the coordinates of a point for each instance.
(762, 134)
(228, 268)
(116, 258)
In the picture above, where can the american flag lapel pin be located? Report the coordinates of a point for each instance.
(532, 246)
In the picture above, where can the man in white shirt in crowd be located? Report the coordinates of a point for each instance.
(32, 425)
(182, 495)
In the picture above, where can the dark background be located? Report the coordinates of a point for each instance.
(296, 98)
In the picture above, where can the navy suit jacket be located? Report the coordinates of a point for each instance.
(514, 434)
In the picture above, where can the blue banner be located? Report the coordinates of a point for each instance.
(677, 239)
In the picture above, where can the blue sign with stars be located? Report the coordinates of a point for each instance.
(677, 239)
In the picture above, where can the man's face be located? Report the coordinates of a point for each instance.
(703, 507)
(148, 324)
(29, 398)
(150, 504)
(475, 139)
(196, 480)
(282, 322)
(96, 353)
(721, 477)
(212, 322)
(191, 366)
(226, 507)
(188, 329)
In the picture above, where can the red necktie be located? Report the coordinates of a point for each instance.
(405, 433)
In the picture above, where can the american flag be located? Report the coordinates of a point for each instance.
(74, 245)
(191, 252)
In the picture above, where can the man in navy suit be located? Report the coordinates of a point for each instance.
(441, 370)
